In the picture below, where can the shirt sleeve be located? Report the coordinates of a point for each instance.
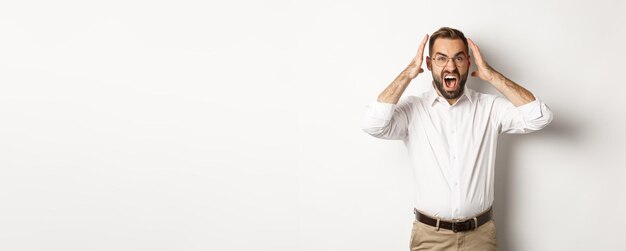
(526, 118)
(387, 121)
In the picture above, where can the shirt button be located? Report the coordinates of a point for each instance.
(456, 183)
(452, 131)
(454, 157)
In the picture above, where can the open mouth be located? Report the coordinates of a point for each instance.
(450, 81)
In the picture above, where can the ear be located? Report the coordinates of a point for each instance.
(428, 64)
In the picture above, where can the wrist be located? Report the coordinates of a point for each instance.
(407, 74)
(496, 78)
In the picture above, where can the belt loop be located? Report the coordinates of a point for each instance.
(438, 224)
(475, 223)
(415, 212)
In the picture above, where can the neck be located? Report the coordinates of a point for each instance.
(450, 101)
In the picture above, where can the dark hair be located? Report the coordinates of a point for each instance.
(446, 32)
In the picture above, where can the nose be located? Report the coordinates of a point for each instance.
(450, 65)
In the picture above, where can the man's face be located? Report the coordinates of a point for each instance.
(449, 78)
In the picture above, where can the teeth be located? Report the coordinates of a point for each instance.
(450, 77)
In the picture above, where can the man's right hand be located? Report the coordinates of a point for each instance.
(415, 67)
(392, 93)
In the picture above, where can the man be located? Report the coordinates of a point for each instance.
(451, 134)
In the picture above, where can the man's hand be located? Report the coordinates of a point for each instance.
(415, 67)
(484, 71)
(517, 94)
(393, 92)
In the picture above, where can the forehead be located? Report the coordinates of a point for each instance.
(448, 46)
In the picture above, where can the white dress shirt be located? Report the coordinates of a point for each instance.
(452, 148)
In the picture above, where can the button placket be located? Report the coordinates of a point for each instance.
(454, 166)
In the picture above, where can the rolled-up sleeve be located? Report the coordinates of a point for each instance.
(387, 121)
(526, 118)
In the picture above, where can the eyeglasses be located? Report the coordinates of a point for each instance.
(441, 60)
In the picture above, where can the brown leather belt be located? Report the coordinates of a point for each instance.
(456, 226)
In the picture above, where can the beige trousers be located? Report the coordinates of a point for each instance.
(425, 237)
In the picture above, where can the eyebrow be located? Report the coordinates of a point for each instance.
(460, 52)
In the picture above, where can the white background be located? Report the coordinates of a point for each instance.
(194, 125)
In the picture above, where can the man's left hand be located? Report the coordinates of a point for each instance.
(484, 71)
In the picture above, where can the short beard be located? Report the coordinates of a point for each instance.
(450, 95)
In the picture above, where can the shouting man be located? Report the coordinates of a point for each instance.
(451, 133)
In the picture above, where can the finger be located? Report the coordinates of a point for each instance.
(475, 50)
(420, 51)
(471, 43)
(472, 46)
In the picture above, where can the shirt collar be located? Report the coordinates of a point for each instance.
(467, 93)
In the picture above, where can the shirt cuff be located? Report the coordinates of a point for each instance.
(531, 110)
(380, 110)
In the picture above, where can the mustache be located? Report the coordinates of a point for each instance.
(453, 72)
